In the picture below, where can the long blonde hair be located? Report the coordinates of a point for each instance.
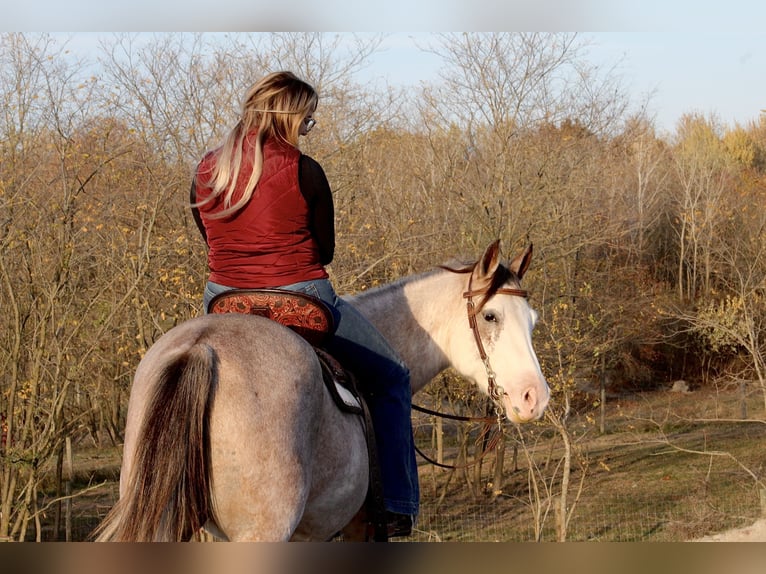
(275, 106)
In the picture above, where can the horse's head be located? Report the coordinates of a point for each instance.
(501, 359)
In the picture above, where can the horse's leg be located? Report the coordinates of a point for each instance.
(340, 471)
(287, 463)
(261, 485)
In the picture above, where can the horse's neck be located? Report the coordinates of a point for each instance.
(416, 315)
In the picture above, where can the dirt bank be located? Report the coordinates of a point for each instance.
(756, 532)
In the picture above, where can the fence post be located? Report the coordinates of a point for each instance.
(59, 492)
(68, 472)
(439, 441)
(602, 396)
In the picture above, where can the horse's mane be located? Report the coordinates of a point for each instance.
(502, 276)
(394, 286)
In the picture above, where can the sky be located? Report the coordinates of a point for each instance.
(683, 56)
(707, 72)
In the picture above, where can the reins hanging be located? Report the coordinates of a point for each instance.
(489, 422)
(491, 444)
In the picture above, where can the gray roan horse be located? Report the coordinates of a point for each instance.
(230, 426)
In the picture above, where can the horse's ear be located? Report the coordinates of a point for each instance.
(520, 265)
(490, 261)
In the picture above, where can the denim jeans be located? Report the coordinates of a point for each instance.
(385, 382)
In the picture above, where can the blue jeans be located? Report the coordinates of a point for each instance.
(385, 382)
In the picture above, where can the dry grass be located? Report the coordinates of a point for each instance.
(669, 468)
(646, 478)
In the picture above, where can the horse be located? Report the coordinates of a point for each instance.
(231, 430)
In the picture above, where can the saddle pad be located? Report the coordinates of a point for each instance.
(304, 314)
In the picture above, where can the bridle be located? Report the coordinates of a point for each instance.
(495, 391)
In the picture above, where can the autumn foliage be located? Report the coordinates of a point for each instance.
(650, 251)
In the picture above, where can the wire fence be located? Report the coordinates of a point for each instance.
(507, 518)
(672, 477)
(702, 478)
(610, 519)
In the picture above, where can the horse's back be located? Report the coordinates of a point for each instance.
(275, 436)
(250, 354)
(261, 424)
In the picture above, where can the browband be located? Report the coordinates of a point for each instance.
(505, 291)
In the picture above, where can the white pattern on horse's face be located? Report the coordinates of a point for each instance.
(513, 359)
(505, 325)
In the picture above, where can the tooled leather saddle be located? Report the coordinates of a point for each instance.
(313, 320)
(308, 316)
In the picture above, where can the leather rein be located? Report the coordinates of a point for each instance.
(495, 391)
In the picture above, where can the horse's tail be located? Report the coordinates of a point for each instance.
(168, 493)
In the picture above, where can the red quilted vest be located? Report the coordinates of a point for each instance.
(268, 243)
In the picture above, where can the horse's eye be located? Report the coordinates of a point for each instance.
(490, 317)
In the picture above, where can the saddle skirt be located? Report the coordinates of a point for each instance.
(308, 316)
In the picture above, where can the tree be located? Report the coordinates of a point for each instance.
(44, 267)
(703, 173)
(732, 321)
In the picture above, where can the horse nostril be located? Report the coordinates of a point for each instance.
(529, 399)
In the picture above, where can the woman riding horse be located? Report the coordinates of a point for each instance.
(266, 213)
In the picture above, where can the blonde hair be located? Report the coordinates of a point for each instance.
(275, 106)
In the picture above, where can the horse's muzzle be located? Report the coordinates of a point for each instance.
(527, 404)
